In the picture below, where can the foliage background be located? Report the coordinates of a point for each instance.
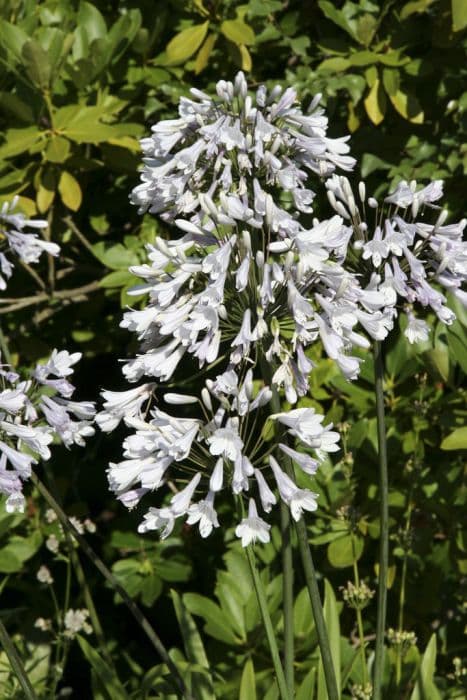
(80, 83)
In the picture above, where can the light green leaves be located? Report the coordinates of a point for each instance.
(459, 15)
(457, 440)
(184, 44)
(425, 688)
(375, 103)
(238, 32)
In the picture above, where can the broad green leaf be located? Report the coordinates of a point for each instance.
(184, 44)
(36, 63)
(91, 21)
(415, 6)
(459, 15)
(331, 618)
(119, 278)
(202, 58)
(375, 103)
(363, 58)
(337, 16)
(238, 31)
(366, 27)
(12, 38)
(248, 682)
(307, 686)
(19, 141)
(425, 688)
(116, 257)
(391, 80)
(335, 64)
(10, 102)
(216, 621)
(302, 615)
(457, 440)
(70, 191)
(44, 198)
(17, 551)
(57, 149)
(343, 552)
(245, 58)
(408, 106)
(109, 683)
(194, 648)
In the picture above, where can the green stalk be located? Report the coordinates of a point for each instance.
(16, 663)
(308, 568)
(268, 628)
(287, 598)
(175, 676)
(384, 523)
(315, 600)
(402, 595)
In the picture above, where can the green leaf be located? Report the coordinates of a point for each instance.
(57, 149)
(91, 21)
(391, 81)
(343, 552)
(119, 278)
(375, 103)
(70, 191)
(425, 688)
(307, 686)
(19, 141)
(12, 38)
(363, 58)
(408, 106)
(337, 16)
(17, 551)
(331, 618)
(238, 31)
(202, 57)
(248, 682)
(116, 257)
(459, 15)
(109, 684)
(415, 6)
(335, 64)
(184, 44)
(217, 625)
(10, 102)
(36, 63)
(194, 648)
(457, 440)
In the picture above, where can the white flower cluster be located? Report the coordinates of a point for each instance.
(34, 413)
(240, 294)
(28, 247)
(402, 252)
(244, 285)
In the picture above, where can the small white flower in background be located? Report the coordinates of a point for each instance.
(52, 544)
(43, 624)
(75, 621)
(50, 515)
(44, 576)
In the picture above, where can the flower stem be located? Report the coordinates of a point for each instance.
(268, 628)
(315, 600)
(175, 678)
(288, 598)
(16, 663)
(384, 523)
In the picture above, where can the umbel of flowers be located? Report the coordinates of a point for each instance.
(38, 410)
(238, 295)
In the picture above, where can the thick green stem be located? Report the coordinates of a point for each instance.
(384, 523)
(268, 628)
(16, 663)
(175, 677)
(288, 598)
(315, 600)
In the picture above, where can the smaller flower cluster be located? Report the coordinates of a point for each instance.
(34, 413)
(28, 247)
(403, 254)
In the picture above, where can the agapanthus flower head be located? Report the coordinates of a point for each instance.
(236, 293)
(35, 412)
(405, 249)
(27, 246)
